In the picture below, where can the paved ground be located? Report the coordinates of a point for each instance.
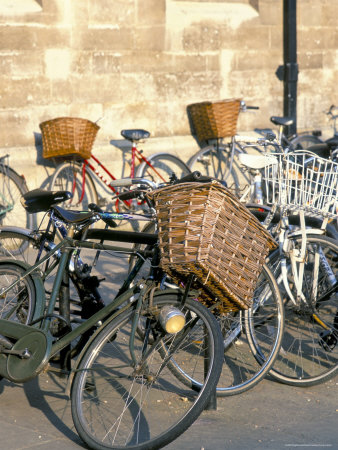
(273, 416)
(36, 415)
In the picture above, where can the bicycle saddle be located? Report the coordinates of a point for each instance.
(285, 121)
(73, 216)
(135, 135)
(39, 200)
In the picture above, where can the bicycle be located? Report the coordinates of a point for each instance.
(263, 321)
(214, 122)
(121, 377)
(12, 187)
(305, 265)
(82, 177)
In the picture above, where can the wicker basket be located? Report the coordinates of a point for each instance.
(212, 120)
(204, 230)
(68, 137)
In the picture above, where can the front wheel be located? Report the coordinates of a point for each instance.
(12, 187)
(309, 350)
(69, 176)
(160, 167)
(251, 340)
(215, 162)
(120, 403)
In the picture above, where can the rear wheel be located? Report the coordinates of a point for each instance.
(161, 167)
(120, 403)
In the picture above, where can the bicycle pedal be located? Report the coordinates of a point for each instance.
(328, 340)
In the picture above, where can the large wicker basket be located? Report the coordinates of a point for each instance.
(212, 120)
(204, 230)
(68, 137)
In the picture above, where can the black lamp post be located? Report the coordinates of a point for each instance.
(288, 73)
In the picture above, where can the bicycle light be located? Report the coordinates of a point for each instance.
(171, 319)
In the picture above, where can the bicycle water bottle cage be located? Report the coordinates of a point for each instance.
(284, 121)
(135, 135)
(40, 200)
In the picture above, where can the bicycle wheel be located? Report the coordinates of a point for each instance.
(12, 187)
(251, 340)
(161, 167)
(117, 404)
(69, 177)
(309, 350)
(215, 162)
(18, 304)
(303, 141)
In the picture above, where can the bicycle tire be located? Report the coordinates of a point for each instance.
(304, 141)
(169, 408)
(304, 358)
(251, 341)
(215, 162)
(12, 187)
(17, 304)
(68, 177)
(162, 167)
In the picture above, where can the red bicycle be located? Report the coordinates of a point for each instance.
(82, 177)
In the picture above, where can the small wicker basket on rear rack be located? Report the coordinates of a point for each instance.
(66, 137)
(204, 230)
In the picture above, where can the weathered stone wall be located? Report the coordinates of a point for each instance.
(138, 63)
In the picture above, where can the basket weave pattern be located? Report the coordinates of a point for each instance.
(212, 120)
(205, 231)
(68, 137)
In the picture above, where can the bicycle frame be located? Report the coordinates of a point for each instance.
(112, 310)
(107, 176)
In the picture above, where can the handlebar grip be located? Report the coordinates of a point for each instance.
(130, 194)
(123, 182)
(110, 222)
(193, 176)
(252, 107)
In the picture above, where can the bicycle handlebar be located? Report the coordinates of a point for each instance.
(193, 176)
(244, 106)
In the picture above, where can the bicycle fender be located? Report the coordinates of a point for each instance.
(40, 300)
(24, 231)
(307, 231)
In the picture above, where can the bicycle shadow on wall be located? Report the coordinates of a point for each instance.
(48, 164)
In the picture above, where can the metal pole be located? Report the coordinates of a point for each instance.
(289, 72)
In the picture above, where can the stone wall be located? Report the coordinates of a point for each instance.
(139, 63)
